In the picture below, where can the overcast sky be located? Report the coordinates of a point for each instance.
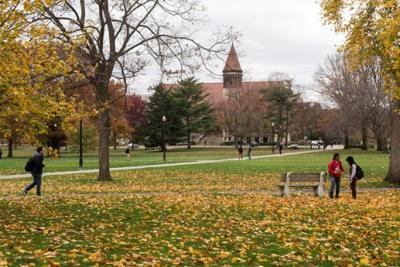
(278, 36)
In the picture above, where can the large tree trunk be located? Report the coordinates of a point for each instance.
(115, 141)
(394, 166)
(346, 140)
(381, 138)
(10, 147)
(364, 134)
(104, 124)
(287, 128)
(189, 140)
(378, 144)
(104, 152)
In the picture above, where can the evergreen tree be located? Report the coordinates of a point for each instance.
(162, 103)
(196, 112)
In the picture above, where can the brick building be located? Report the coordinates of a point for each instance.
(233, 84)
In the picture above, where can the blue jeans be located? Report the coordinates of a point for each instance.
(37, 181)
(335, 184)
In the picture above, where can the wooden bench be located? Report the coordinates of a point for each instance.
(302, 180)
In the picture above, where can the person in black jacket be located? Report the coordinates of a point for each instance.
(36, 172)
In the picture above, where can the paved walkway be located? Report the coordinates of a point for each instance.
(199, 162)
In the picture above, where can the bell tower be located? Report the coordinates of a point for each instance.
(233, 74)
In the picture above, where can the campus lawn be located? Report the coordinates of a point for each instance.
(198, 229)
(375, 165)
(69, 161)
(212, 214)
(259, 174)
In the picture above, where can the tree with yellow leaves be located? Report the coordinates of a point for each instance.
(372, 33)
(32, 71)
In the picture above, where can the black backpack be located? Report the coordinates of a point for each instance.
(30, 164)
(359, 172)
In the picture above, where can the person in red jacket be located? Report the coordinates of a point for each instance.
(335, 170)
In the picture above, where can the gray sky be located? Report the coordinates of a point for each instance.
(278, 36)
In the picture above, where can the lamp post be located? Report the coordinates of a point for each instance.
(164, 146)
(273, 137)
(81, 144)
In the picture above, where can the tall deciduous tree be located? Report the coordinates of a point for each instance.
(136, 116)
(240, 114)
(118, 38)
(280, 99)
(196, 112)
(372, 32)
(32, 68)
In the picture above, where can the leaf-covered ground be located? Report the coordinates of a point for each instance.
(189, 222)
(195, 229)
(165, 180)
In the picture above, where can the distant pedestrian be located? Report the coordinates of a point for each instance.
(280, 147)
(335, 170)
(35, 166)
(249, 150)
(355, 173)
(1, 153)
(205, 142)
(319, 146)
(332, 145)
(240, 152)
(325, 146)
(128, 153)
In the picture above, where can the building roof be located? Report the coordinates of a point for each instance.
(232, 63)
(215, 91)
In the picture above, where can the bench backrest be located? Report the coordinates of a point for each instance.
(297, 177)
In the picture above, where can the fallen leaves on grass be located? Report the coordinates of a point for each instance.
(161, 181)
(193, 229)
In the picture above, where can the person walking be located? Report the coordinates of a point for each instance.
(280, 147)
(36, 171)
(1, 153)
(240, 152)
(249, 150)
(335, 170)
(352, 176)
(128, 153)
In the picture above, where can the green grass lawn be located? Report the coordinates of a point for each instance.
(374, 164)
(198, 230)
(196, 219)
(69, 161)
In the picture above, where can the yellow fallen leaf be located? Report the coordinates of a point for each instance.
(364, 261)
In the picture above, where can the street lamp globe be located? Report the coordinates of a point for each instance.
(164, 119)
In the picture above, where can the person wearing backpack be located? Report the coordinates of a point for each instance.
(355, 173)
(35, 166)
(335, 170)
